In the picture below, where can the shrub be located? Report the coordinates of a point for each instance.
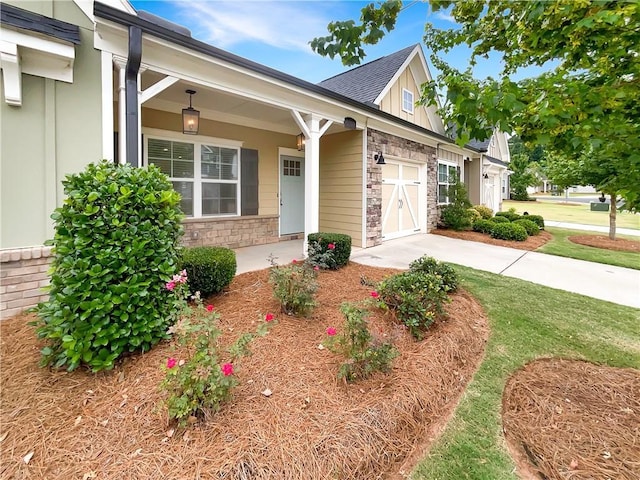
(509, 231)
(520, 194)
(456, 215)
(210, 269)
(536, 219)
(417, 299)
(201, 382)
(499, 219)
(511, 216)
(116, 245)
(484, 211)
(430, 265)
(341, 246)
(295, 286)
(531, 227)
(485, 226)
(365, 354)
(474, 215)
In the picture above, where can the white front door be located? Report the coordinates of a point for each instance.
(400, 200)
(291, 194)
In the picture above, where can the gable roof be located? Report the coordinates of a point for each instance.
(365, 82)
(480, 145)
(19, 18)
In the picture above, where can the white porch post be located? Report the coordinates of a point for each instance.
(122, 113)
(312, 131)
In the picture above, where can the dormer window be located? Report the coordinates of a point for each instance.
(407, 101)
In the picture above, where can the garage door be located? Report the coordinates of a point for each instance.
(400, 200)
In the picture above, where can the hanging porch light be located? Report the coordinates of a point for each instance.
(190, 117)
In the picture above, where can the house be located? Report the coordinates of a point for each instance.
(488, 179)
(258, 156)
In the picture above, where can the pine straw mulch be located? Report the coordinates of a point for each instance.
(111, 425)
(602, 241)
(531, 243)
(567, 419)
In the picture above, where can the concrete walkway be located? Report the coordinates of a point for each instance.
(592, 228)
(605, 282)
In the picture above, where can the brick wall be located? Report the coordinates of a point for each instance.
(23, 273)
(403, 148)
(231, 232)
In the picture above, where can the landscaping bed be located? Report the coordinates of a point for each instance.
(574, 419)
(113, 425)
(531, 243)
(602, 241)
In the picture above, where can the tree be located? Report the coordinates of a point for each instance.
(526, 165)
(587, 103)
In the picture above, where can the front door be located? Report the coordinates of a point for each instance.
(400, 200)
(291, 194)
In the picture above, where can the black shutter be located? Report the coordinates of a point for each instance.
(249, 181)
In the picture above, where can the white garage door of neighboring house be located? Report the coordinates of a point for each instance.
(400, 199)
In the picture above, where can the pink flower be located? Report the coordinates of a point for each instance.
(294, 261)
(183, 273)
(375, 294)
(268, 317)
(171, 362)
(331, 331)
(209, 308)
(331, 246)
(316, 268)
(171, 285)
(227, 369)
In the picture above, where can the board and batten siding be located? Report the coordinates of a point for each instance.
(265, 142)
(341, 184)
(392, 101)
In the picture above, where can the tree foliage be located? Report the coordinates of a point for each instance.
(588, 102)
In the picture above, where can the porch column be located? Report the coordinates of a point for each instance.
(122, 113)
(312, 129)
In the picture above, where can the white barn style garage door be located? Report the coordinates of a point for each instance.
(401, 206)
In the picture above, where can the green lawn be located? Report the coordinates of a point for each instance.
(562, 247)
(528, 321)
(573, 212)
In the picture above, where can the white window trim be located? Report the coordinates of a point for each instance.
(404, 90)
(438, 183)
(197, 141)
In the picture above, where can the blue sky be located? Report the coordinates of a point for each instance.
(277, 33)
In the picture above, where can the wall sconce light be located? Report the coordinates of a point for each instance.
(349, 123)
(379, 159)
(190, 117)
(485, 176)
(300, 142)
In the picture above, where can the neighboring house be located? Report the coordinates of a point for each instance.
(488, 178)
(85, 80)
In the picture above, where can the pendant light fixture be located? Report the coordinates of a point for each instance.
(190, 117)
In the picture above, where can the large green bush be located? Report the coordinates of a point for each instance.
(115, 248)
(416, 298)
(531, 227)
(209, 269)
(338, 243)
(456, 215)
(484, 226)
(509, 231)
(430, 265)
(511, 216)
(499, 219)
(538, 219)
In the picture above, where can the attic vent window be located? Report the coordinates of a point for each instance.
(407, 101)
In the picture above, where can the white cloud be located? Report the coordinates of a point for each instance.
(446, 16)
(285, 25)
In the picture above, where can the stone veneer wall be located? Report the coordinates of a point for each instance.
(23, 273)
(231, 232)
(402, 148)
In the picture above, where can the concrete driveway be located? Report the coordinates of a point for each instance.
(605, 282)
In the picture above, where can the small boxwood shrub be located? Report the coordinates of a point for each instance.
(430, 265)
(537, 219)
(416, 298)
(509, 231)
(341, 246)
(483, 226)
(209, 269)
(531, 227)
(511, 216)
(484, 211)
(474, 215)
(116, 246)
(499, 219)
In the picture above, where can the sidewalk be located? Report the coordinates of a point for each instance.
(591, 228)
(605, 282)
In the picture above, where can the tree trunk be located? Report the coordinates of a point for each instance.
(612, 217)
